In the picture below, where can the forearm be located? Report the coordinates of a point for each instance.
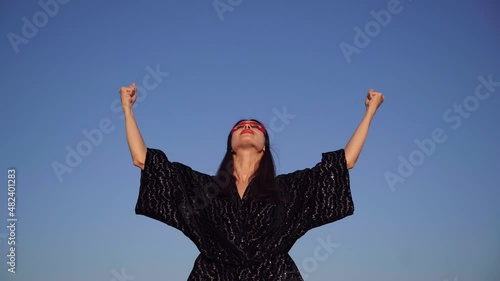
(355, 145)
(135, 141)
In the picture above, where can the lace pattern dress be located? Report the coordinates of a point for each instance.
(240, 238)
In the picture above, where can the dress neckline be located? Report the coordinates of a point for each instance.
(236, 193)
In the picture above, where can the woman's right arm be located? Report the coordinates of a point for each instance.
(135, 141)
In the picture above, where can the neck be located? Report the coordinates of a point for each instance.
(246, 164)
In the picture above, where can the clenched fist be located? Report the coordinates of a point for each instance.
(373, 99)
(128, 96)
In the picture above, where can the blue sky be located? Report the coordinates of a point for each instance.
(422, 212)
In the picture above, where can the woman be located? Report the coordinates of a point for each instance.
(245, 219)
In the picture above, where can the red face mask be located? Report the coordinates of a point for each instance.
(252, 124)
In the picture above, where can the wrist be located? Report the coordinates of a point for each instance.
(128, 112)
(370, 111)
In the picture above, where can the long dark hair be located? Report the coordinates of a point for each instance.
(263, 184)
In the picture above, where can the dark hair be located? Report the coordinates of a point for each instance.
(263, 185)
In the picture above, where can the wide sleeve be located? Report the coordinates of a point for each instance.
(319, 195)
(167, 190)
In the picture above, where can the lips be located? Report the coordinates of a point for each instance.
(247, 131)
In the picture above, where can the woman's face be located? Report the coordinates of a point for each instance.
(248, 134)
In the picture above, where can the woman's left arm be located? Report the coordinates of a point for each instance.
(353, 147)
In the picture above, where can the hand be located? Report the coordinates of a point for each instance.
(373, 99)
(128, 96)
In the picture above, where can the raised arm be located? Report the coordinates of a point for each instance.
(135, 141)
(355, 144)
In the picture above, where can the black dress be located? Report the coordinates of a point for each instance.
(239, 238)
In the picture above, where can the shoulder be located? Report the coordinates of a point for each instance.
(328, 160)
(158, 157)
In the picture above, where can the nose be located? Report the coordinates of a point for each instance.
(247, 126)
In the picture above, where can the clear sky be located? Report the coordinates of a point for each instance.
(425, 187)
